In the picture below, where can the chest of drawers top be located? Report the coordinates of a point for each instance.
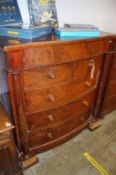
(53, 52)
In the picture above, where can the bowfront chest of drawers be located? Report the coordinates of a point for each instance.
(53, 89)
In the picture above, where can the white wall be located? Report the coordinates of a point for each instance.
(101, 13)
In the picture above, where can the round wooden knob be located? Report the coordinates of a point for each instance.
(51, 97)
(51, 75)
(51, 118)
(85, 103)
(50, 135)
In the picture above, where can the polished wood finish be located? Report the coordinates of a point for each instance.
(56, 89)
(9, 162)
(109, 95)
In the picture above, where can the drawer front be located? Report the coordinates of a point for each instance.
(56, 96)
(47, 53)
(47, 76)
(113, 73)
(61, 52)
(43, 136)
(50, 117)
(111, 89)
(83, 70)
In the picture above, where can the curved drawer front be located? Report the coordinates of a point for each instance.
(54, 52)
(46, 135)
(63, 52)
(50, 117)
(50, 75)
(56, 96)
(47, 76)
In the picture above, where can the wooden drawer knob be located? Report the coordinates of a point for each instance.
(50, 136)
(51, 97)
(51, 118)
(88, 84)
(85, 103)
(51, 75)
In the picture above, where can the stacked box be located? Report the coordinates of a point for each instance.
(9, 12)
(43, 12)
(71, 32)
(4, 41)
(41, 25)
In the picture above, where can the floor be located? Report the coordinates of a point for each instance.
(69, 159)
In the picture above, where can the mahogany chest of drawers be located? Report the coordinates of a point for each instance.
(53, 89)
(9, 164)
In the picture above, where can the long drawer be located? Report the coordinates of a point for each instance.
(44, 136)
(47, 53)
(59, 53)
(56, 96)
(51, 117)
(46, 76)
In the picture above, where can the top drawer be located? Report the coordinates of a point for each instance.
(50, 75)
(50, 53)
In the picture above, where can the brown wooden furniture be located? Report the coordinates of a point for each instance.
(106, 101)
(109, 100)
(9, 164)
(54, 88)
